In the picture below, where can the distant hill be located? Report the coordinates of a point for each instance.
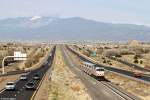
(47, 28)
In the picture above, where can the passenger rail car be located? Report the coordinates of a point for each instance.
(93, 70)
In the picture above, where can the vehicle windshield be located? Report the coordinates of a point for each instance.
(99, 69)
(23, 75)
(10, 83)
(30, 84)
(36, 75)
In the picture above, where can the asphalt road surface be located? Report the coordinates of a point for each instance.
(21, 93)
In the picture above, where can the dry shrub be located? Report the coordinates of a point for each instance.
(112, 53)
(76, 88)
(126, 52)
(28, 63)
(141, 50)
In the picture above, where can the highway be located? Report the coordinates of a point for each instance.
(21, 93)
(119, 71)
(98, 90)
(130, 64)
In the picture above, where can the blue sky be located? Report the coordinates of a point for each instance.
(116, 11)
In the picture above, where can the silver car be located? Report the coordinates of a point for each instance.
(10, 86)
(23, 77)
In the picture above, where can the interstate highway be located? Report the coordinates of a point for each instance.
(21, 93)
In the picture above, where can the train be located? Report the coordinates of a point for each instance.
(93, 70)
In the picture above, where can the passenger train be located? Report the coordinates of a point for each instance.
(93, 70)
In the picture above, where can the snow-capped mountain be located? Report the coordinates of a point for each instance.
(45, 28)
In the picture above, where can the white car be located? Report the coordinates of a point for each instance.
(23, 77)
(10, 86)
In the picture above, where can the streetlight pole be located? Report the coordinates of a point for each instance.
(3, 63)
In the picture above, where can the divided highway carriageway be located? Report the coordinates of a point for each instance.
(20, 93)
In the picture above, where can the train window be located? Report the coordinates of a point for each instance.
(99, 69)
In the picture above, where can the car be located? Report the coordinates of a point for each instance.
(137, 74)
(10, 86)
(36, 77)
(30, 86)
(23, 77)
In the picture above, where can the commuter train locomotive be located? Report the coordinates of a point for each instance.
(93, 70)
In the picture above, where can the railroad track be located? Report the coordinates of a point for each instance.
(118, 91)
(115, 89)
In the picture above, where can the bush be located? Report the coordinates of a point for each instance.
(40, 54)
(141, 61)
(136, 61)
(28, 63)
(36, 59)
(138, 56)
(111, 53)
(104, 61)
(126, 52)
(118, 55)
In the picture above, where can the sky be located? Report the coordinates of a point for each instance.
(115, 11)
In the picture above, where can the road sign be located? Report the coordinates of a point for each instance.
(18, 55)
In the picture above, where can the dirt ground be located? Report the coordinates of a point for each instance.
(138, 89)
(146, 59)
(65, 85)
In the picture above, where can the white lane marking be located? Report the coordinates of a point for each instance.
(2, 90)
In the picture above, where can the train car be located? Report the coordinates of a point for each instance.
(93, 70)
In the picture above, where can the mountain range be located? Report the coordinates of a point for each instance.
(75, 28)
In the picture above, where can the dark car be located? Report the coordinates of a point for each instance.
(30, 86)
(36, 77)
